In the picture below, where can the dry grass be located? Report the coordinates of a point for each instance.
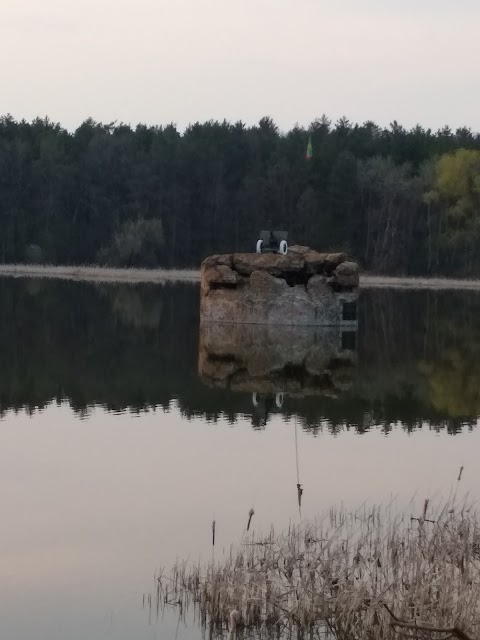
(100, 274)
(336, 576)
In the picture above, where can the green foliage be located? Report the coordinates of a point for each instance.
(458, 178)
(455, 198)
(73, 198)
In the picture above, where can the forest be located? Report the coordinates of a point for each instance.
(400, 201)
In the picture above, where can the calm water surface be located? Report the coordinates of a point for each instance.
(124, 431)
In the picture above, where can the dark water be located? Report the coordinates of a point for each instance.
(124, 431)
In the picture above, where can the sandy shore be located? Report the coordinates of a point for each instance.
(385, 282)
(100, 274)
(109, 274)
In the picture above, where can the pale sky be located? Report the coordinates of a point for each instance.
(162, 61)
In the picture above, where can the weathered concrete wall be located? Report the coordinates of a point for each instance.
(302, 288)
(298, 361)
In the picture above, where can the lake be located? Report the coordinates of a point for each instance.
(125, 431)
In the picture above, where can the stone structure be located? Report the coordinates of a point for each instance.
(304, 287)
(265, 360)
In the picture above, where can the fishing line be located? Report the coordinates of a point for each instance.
(299, 486)
(296, 452)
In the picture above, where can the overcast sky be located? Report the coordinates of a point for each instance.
(161, 61)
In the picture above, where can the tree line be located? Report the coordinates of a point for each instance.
(400, 201)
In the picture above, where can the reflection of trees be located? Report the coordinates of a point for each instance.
(453, 374)
(440, 368)
(135, 307)
(94, 344)
(418, 361)
(453, 385)
(136, 347)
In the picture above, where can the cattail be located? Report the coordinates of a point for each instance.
(251, 513)
(344, 568)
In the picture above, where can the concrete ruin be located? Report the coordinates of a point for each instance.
(302, 288)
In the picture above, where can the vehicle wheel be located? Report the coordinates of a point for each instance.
(255, 399)
(279, 400)
(259, 246)
(283, 248)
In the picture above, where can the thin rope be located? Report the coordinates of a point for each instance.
(296, 451)
(299, 486)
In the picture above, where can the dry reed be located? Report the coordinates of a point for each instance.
(341, 576)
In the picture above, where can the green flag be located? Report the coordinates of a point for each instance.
(309, 153)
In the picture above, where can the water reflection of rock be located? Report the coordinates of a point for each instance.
(271, 360)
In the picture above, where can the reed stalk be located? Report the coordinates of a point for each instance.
(354, 575)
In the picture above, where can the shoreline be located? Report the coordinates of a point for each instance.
(162, 276)
(368, 281)
(100, 274)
